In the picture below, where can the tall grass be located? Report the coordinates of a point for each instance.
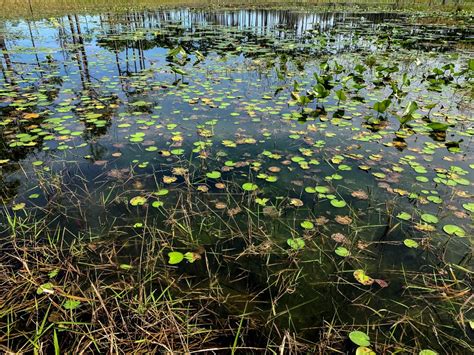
(45, 8)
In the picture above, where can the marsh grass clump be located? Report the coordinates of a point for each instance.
(119, 292)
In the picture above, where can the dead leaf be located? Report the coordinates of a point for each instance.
(344, 220)
(361, 195)
(339, 238)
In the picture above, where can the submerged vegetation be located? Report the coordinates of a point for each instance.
(236, 180)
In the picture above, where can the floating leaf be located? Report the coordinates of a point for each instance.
(381, 283)
(364, 279)
(296, 202)
(307, 225)
(410, 243)
(175, 257)
(338, 203)
(45, 288)
(469, 206)
(296, 243)
(138, 201)
(18, 206)
(404, 216)
(359, 338)
(363, 350)
(169, 179)
(341, 251)
(71, 304)
(191, 257)
(213, 175)
(438, 126)
(427, 352)
(53, 273)
(162, 192)
(248, 186)
(452, 229)
(429, 218)
(321, 189)
(157, 204)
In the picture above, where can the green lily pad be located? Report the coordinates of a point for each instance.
(341, 251)
(434, 199)
(469, 206)
(175, 257)
(248, 186)
(451, 229)
(296, 243)
(410, 243)
(427, 352)
(138, 201)
(162, 192)
(18, 206)
(359, 338)
(307, 225)
(321, 189)
(429, 218)
(214, 175)
(404, 216)
(338, 203)
(191, 257)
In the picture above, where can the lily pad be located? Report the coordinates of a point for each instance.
(359, 338)
(341, 251)
(469, 206)
(175, 257)
(296, 243)
(213, 175)
(427, 352)
(138, 201)
(429, 218)
(162, 192)
(404, 216)
(365, 280)
(338, 203)
(410, 243)
(363, 350)
(248, 186)
(18, 206)
(307, 225)
(321, 189)
(452, 229)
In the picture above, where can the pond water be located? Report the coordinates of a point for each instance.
(274, 179)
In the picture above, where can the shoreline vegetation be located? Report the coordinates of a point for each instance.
(45, 8)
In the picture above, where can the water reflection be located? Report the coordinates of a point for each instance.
(131, 46)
